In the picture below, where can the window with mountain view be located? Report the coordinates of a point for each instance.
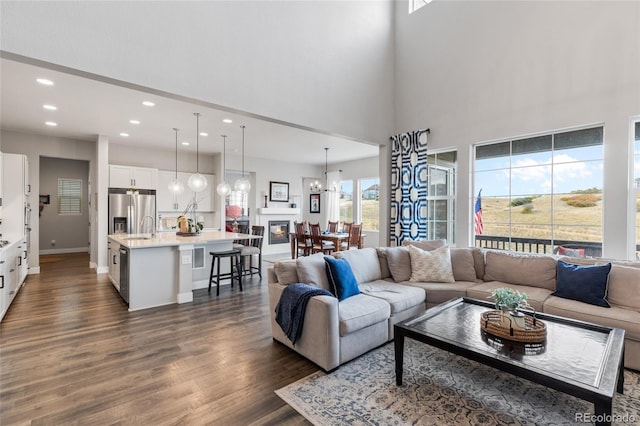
(346, 201)
(541, 192)
(441, 195)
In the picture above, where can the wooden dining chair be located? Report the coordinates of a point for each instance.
(303, 241)
(346, 226)
(319, 245)
(355, 232)
(333, 226)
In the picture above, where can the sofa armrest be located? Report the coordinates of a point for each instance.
(320, 339)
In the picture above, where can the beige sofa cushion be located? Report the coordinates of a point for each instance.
(360, 311)
(434, 265)
(399, 263)
(441, 292)
(624, 287)
(613, 317)
(400, 297)
(384, 263)
(536, 296)
(463, 264)
(286, 272)
(425, 244)
(311, 270)
(364, 263)
(521, 269)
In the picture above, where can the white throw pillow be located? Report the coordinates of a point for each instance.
(431, 266)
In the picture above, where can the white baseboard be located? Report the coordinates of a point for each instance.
(67, 250)
(33, 270)
(185, 297)
(102, 270)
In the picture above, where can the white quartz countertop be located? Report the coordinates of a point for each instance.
(167, 239)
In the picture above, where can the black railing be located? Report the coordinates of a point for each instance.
(535, 245)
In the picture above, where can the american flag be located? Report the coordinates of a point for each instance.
(478, 227)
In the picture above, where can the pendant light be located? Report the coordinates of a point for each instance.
(175, 186)
(223, 187)
(197, 182)
(333, 187)
(242, 184)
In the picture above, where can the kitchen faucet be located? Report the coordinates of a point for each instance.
(153, 225)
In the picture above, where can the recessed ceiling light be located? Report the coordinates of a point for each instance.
(148, 103)
(44, 81)
(185, 143)
(51, 123)
(50, 107)
(134, 121)
(204, 134)
(124, 135)
(227, 120)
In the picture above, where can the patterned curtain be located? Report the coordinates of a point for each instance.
(408, 216)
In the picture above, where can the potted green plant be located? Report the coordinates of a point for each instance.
(508, 299)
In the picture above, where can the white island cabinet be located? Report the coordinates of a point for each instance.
(160, 270)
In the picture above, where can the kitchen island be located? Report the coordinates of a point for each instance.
(164, 268)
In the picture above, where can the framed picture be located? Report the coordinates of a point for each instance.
(279, 191)
(314, 203)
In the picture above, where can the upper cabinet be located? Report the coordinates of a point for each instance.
(167, 202)
(132, 177)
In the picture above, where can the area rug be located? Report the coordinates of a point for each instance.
(440, 389)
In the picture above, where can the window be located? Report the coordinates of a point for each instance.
(636, 182)
(542, 191)
(69, 196)
(370, 204)
(441, 195)
(346, 201)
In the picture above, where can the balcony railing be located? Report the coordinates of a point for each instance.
(535, 245)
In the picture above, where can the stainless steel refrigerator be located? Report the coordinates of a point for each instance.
(132, 213)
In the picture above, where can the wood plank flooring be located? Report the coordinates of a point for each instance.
(71, 353)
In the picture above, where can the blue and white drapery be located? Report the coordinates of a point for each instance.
(408, 215)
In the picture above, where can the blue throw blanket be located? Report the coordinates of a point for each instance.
(292, 306)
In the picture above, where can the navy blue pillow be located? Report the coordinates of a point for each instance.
(341, 279)
(583, 283)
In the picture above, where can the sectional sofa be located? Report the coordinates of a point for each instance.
(391, 290)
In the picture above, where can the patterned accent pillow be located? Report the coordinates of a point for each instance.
(431, 266)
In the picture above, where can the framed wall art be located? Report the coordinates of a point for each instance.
(279, 192)
(314, 203)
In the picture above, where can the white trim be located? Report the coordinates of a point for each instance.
(633, 191)
(33, 270)
(67, 250)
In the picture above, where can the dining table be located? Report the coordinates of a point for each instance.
(337, 238)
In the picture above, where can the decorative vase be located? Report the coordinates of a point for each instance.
(517, 319)
(183, 224)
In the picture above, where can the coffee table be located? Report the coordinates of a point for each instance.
(578, 358)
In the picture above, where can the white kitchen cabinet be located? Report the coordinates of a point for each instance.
(167, 202)
(15, 208)
(132, 177)
(4, 285)
(10, 273)
(22, 256)
(114, 264)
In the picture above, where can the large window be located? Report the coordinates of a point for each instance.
(441, 195)
(346, 201)
(69, 196)
(543, 190)
(370, 204)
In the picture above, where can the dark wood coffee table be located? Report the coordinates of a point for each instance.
(578, 358)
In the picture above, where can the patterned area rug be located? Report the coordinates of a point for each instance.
(439, 389)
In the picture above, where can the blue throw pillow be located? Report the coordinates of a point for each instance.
(583, 283)
(341, 279)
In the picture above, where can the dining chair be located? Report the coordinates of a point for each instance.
(346, 226)
(355, 231)
(333, 226)
(251, 248)
(302, 240)
(319, 245)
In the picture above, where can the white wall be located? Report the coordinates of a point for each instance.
(34, 146)
(480, 71)
(325, 65)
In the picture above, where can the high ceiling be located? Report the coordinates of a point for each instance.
(88, 106)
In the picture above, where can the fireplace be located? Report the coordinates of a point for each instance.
(278, 232)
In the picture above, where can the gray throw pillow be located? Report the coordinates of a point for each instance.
(311, 270)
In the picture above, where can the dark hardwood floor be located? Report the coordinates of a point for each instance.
(71, 353)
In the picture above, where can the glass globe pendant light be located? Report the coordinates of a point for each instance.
(175, 186)
(243, 183)
(197, 182)
(223, 188)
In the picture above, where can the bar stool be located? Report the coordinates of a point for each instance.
(234, 255)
